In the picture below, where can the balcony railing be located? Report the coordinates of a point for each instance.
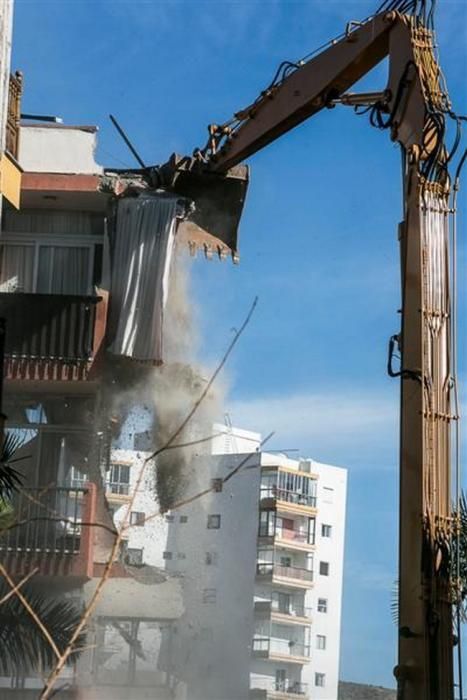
(286, 686)
(43, 527)
(268, 646)
(268, 568)
(13, 114)
(293, 535)
(292, 610)
(43, 521)
(278, 494)
(47, 334)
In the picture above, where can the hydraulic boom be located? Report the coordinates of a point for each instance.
(413, 107)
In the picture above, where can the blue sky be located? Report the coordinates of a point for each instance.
(318, 238)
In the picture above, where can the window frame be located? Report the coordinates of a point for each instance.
(209, 596)
(326, 566)
(321, 642)
(211, 520)
(322, 603)
(38, 240)
(129, 553)
(138, 522)
(321, 677)
(111, 483)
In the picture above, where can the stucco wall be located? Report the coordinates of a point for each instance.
(58, 149)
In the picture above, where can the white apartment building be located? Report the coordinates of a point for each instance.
(261, 560)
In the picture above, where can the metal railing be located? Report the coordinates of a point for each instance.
(288, 496)
(286, 571)
(292, 534)
(49, 326)
(291, 609)
(283, 647)
(13, 114)
(286, 686)
(42, 520)
(294, 610)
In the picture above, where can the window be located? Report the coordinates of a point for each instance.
(118, 480)
(283, 600)
(281, 680)
(311, 530)
(134, 557)
(42, 266)
(209, 595)
(267, 523)
(184, 518)
(169, 518)
(137, 518)
(181, 555)
(326, 530)
(320, 680)
(214, 522)
(76, 479)
(294, 488)
(216, 485)
(320, 641)
(167, 555)
(322, 605)
(324, 568)
(211, 558)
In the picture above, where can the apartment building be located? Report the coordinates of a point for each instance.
(10, 109)
(261, 558)
(60, 386)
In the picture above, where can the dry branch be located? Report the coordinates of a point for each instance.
(62, 658)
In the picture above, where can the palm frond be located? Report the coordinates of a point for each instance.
(23, 647)
(10, 478)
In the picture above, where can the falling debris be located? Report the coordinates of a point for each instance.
(142, 238)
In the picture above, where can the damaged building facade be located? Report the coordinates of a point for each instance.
(82, 292)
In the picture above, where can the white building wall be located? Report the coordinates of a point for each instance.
(331, 500)
(151, 537)
(213, 643)
(229, 440)
(56, 148)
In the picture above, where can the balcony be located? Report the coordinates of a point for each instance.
(49, 336)
(275, 649)
(265, 689)
(42, 527)
(290, 576)
(292, 614)
(290, 538)
(281, 499)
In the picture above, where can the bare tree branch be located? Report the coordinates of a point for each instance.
(18, 585)
(62, 658)
(191, 499)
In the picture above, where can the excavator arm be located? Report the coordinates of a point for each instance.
(412, 106)
(215, 177)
